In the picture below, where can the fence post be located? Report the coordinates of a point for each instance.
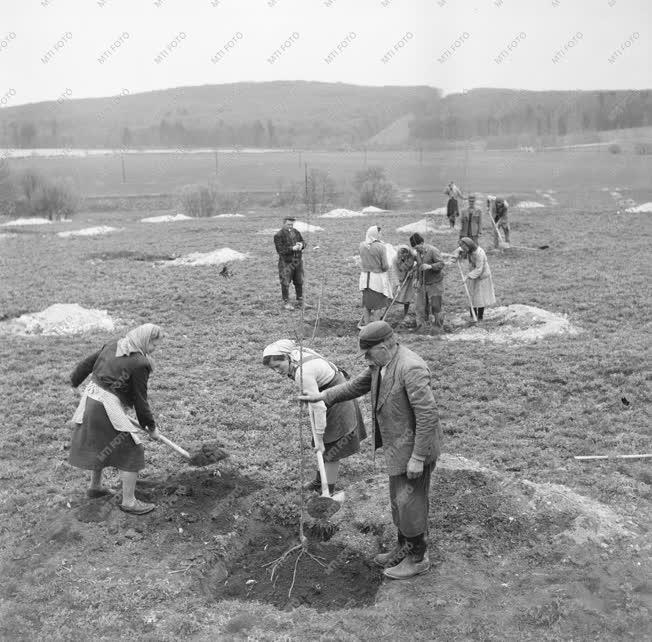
(124, 172)
(216, 164)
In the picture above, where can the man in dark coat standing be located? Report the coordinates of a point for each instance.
(429, 284)
(471, 221)
(406, 426)
(289, 245)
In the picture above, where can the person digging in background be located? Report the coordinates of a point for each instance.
(478, 280)
(429, 284)
(406, 426)
(374, 277)
(452, 206)
(499, 213)
(338, 429)
(104, 435)
(290, 245)
(405, 265)
(471, 221)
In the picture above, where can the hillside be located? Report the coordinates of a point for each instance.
(299, 114)
(271, 114)
(509, 118)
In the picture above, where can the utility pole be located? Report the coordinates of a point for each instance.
(124, 172)
(216, 164)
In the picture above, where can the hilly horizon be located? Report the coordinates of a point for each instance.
(305, 114)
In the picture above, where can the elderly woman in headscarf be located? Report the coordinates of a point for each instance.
(404, 264)
(478, 279)
(104, 434)
(375, 283)
(337, 431)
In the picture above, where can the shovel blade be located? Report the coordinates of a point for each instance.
(323, 507)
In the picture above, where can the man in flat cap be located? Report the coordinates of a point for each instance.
(406, 423)
(471, 221)
(429, 284)
(289, 245)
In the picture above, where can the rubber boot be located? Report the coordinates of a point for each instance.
(393, 556)
(285, 293)
(414, 563)
(480, 313)
(298, 288)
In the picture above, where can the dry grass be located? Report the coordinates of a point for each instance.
(525, 409)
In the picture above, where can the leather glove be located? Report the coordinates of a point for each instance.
(425, 267)
(414, 468)
(297, 246)
(154, 434)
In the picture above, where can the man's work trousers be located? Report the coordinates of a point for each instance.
(291, 272)
(410, 502)
(429, 303)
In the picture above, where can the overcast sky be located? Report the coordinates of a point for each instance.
(451, 44)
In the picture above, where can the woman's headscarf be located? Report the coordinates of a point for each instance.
(373, 235)
(279, 348)
(288, 347)
(470, 244)
(138, 340)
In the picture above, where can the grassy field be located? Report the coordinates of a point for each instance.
(527, 544)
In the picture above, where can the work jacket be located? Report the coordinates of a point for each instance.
(403, 407)
(430, 255)
(285, 240)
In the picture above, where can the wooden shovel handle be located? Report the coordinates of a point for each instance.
(320, 458)
(175, 447)
(166, 441)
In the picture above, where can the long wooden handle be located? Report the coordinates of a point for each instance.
(320, 458)
(166, 441)
(468, 294)
(594, 457)
(500, 236)
(175, 447)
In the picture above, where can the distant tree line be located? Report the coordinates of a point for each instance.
(321, 115)
(495, 113)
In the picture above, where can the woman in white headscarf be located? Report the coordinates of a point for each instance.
(375, 283)
(104, 435)
(338, 429)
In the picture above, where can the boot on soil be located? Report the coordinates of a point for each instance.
(287, 305)
(394, 556)
(313, 486)
(408, 568)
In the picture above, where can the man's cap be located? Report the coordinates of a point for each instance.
(472, 197)
(415, 239)
(289, 218)
(374, 333)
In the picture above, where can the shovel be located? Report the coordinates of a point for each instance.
(326, 505)
(203, 457)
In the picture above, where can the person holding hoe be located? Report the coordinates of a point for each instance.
(429, 284)
(406, 426)
(478, 280)
(104, 435)
(338, 429)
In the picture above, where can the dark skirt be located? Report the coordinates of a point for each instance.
(96, 444)
(373, 300)
(452, 208)
(344, 426)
